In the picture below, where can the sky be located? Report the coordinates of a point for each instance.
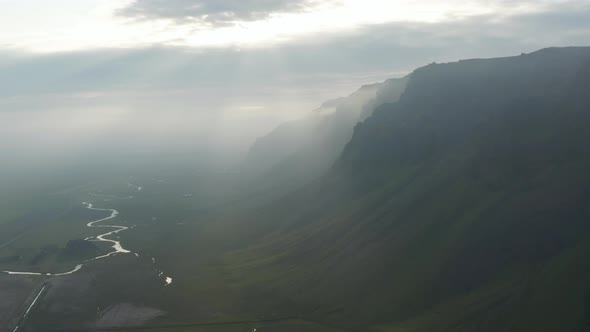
(74, 73)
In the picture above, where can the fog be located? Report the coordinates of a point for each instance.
(173, 101)
(61, 110)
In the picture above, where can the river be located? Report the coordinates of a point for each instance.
(116, 245)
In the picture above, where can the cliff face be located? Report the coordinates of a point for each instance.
(445, 103)
(463, 206)
(299, 151)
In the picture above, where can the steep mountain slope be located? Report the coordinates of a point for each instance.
(464, 206)
(298, 151)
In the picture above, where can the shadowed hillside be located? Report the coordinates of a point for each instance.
(461, 207)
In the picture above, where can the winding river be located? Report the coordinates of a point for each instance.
(116, 245)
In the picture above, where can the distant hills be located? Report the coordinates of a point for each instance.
(299, 151)
(461, 203)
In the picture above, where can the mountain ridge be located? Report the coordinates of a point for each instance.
(299, 151)
(450, 198)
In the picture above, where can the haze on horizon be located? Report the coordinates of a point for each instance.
(210, 75)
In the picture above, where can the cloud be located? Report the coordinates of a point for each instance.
(213, 12)
(331, 63)
(231, 95)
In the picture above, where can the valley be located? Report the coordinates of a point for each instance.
(452, 199)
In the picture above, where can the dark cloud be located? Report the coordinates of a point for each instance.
(214, 12)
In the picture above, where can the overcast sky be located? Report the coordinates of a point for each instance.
(231, 70)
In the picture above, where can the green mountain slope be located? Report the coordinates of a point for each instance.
(462, 207)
